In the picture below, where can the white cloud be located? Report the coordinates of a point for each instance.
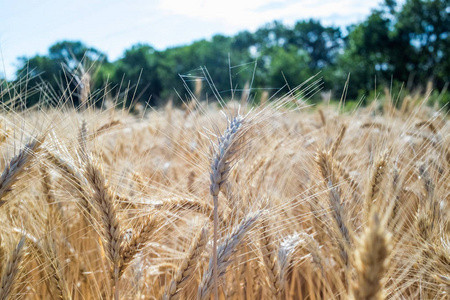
(238, 14)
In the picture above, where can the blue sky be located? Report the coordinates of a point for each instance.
(29, 27)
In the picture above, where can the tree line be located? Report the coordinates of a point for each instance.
(404, 45)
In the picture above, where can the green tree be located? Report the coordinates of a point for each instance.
(189, 63)
(320, 42)
(398, 43)
(242, 42)
(273, 34)
(366, 56)
(425, 24)
(288, 67)
(138, 70)
(172, 63)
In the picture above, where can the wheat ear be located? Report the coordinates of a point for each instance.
(225, 251)
(338, 140)
(371, 259)
(190, 205)
(17, 166)
(313, 248)
(129, 250)
(47, 187)
(376, 176)
(324, 161)
(82, 140)
(187, 267)
(322, 117)
(345, 175)
(269, 254)
(285, 256)
(11, 270)
(103, 198)
(55, 214)
(75, 177)
(223, 156)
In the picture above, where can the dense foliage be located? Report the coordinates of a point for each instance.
(405, 44)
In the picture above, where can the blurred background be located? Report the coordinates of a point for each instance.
(150, 51)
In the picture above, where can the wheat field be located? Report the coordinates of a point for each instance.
(291, 201)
